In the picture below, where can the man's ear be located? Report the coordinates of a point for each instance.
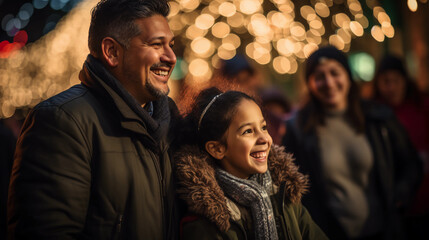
(215, 149)
(111, 49)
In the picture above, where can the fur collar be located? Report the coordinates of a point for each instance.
(199, 189)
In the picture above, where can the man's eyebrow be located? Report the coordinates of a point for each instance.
(161, 38)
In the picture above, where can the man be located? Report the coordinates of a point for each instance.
(92, 162)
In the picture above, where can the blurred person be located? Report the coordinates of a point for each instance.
(394, 87)
(93, 161)
(7, 148)
(276, 109)
(239, 74)
(363, 169)
(237, 185)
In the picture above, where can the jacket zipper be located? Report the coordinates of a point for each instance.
(160, 179)
(118, 227)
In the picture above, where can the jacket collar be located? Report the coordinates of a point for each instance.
(198, 187)
(95, 76)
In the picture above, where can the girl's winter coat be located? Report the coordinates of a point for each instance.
(212, 215)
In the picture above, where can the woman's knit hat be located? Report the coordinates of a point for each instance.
(327, 52)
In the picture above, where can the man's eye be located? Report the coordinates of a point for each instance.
(172, 45)
(156, 44)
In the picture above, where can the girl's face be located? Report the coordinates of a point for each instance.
(330, 84)
(248, 142)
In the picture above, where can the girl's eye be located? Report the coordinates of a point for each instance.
(247, 131)
(264, 127)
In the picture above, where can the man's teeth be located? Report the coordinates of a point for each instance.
(259, 154)
(160, 72)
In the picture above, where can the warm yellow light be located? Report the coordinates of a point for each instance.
(259, 25)
(193, 32)
(279, 20)
(322, 9)
(345, 35)
(377, 33)
(316, 24)
(281, 64)
(220, 30)
(250, 49)
(198, 67)
(285, 46)
(225, 53)
(227, 9)
(412, 5)
(388, 29)
(189, 5)
(356, 28)
(232, 39)
(336, 41)
(204, 21)
(249, 6)
(355, 7)
(174, 9)
(309, 49)
(214, 7)
(175, 23)
(341, 19)
(287, 8)
(236, 20)
(362, 20)
(297, 30)
(201, 46)
(264, 58)
(383, 18)
(306, 11)
(293, 66)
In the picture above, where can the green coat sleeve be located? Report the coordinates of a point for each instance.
(51, 178)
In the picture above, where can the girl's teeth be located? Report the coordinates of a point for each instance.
(259, 154)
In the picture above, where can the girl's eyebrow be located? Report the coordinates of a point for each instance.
(247, 124)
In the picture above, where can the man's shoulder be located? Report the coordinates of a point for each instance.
(77, 101)
(68, 96)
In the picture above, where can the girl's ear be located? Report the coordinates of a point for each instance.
(215, 149)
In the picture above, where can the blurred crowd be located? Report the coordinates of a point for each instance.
(367, 159)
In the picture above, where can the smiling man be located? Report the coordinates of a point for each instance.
(92, 162)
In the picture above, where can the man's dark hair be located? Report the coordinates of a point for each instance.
(115, 19)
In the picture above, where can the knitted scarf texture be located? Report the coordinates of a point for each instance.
(253, 193)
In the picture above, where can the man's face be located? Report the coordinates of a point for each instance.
(149, 60)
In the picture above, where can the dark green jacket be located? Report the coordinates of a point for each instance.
(214, 216)
(86, 167)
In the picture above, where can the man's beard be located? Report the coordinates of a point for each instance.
(154, 92)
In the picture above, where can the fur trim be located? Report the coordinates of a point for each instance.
(199, 188)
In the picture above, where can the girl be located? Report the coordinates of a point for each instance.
(235, 183)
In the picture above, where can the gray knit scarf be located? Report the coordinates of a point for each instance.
(253, 193)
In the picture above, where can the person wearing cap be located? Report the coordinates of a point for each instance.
(362, 166)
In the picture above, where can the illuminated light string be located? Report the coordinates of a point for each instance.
(272, 36)
(208, 30)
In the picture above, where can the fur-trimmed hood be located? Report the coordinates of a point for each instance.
(198, 187)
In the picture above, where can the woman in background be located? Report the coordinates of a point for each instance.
(361, 165)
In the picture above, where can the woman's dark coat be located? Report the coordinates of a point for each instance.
(396, 166)
(86, 167)
(214, 216)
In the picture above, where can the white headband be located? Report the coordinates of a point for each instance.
(207, 108)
